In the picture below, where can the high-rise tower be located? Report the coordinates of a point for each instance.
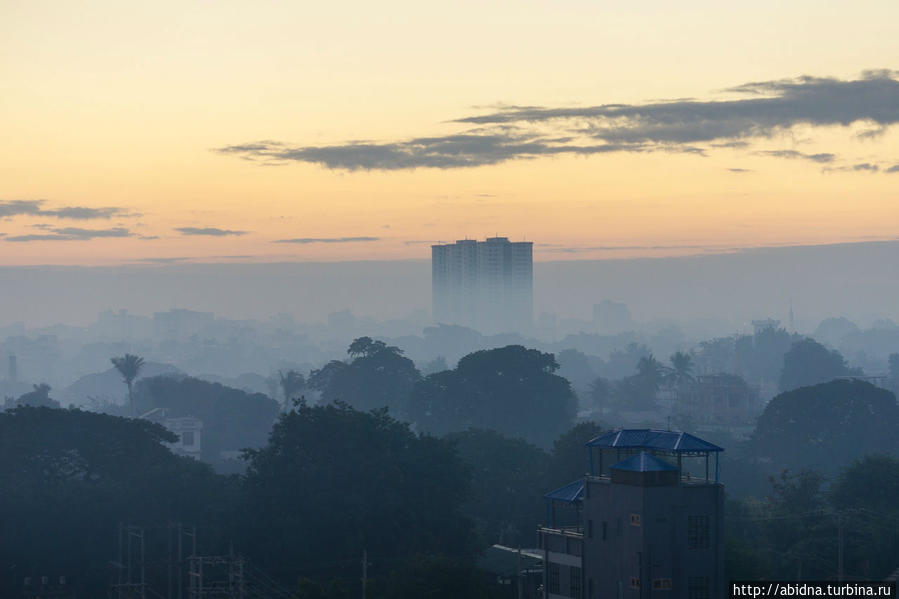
(487, 285)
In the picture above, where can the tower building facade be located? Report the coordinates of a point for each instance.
(486, 285)
(646, 521)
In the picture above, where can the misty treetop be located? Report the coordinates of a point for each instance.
(378, 376)
(511, 389)
(826, 426)
(807, 362)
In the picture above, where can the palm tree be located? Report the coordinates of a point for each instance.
(129, 367)
(681, 367)
(650, 371)
(291, 383)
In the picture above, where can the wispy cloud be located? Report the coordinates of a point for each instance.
(740, 170)
(823, 157)
(36, 208)
(71, 234)
(860, 167)
(304, 240)
(164, 260)
(209, 231)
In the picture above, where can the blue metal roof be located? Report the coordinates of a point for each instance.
(645, 438)
(643, 462)
(571, 492)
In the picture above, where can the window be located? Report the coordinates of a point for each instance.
(635, 519)
(604, 531)
(619, 529)
(698, 587)
(590, 587)
(589, 529)
(574, 583)
(697, 532)
(187, 438)
(553, 582)
(661, 584)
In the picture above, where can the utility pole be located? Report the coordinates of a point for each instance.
(840, 547)
(364, 571)
(518, 572)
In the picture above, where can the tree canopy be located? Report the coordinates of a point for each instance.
(511, 389)
(507, 483)
(826, 426)
(335, 477)
(808, 363)
(379, 376)
(232, 418)
(69, 477)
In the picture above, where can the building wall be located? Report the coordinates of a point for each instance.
(647, 539)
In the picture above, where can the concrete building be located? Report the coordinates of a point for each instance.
(719, 402)
(486, 285)
(646, 521)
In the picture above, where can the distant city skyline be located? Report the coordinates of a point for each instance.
(275, 132)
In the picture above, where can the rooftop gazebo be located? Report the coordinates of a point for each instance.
(563, 507)
(613, 447)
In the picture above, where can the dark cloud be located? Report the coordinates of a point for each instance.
(20, 207)
(210, 231)
(740, 170)
(893, 169)
(303, 240)
(822, 158)
(731, 144)
(72, 234)
(470, 149)
(770, 106)
(35, 208)
(762, 109)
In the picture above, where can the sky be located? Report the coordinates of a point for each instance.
(267, 131)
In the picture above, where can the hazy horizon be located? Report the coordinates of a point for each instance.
(856, 280)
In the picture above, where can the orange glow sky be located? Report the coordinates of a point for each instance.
(116, 105)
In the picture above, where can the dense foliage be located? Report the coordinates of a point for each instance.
(378, 376)
(68, 478)
(826, 426)
(512, 390)
(334, 481)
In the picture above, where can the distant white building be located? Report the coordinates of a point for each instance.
(188, 429)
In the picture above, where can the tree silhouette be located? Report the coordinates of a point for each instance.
(650, 371)
(681, 371)
(292, 382)
(129, 367)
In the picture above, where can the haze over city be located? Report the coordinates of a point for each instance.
(497, 300)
